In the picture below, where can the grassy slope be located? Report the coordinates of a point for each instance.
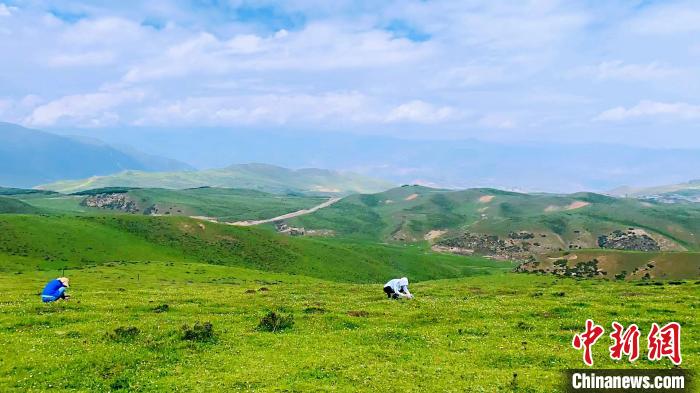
(51, 242)
(659, 265)
(224, 204)
(410, 212)
(469, 334)
(15, 206)
(260, 177)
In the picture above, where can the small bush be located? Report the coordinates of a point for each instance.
(314, 310)
(249, 291)
(275, 322)
(524, 326)
(198, 332)
(124, 333)
(358, 313)
(264, 289)
(161, 308)
(120, 383)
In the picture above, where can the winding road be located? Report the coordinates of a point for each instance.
(286, 216)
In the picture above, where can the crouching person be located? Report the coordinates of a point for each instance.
(397, 288)
(55, 290)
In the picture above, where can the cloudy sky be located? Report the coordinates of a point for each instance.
(543, 70)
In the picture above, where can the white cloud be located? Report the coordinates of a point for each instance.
(471, 75)
(671, 18)
(94, 109)
(6, 10)
(259, 109)
(87, 59)
(645, 109)
(497, 120)
(417, 111)
(619, 70)
(103, 31)
(319, 46)
(333, 108)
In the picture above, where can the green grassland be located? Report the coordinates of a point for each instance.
(260, 177)
(468, 334)
(139, 284)
(408, 213)
(12, 205)
(224, 204)
(53, 242)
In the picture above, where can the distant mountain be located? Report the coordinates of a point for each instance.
(31, 157)
(456, 164)
(261, 177)
(672, 193)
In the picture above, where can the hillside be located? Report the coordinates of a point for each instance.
(508, 224)
(260, 177)
(618, 265)
(673, 193)
(31, 157)
(15, 206)
(222, 204)
(55, 242)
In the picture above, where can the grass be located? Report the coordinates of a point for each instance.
(408, 213)
(52, 242)
(15, 206)
(632, 265)
(259, 177)
(224, 204)
(469, 334)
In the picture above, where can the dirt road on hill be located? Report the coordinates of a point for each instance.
(288, 215)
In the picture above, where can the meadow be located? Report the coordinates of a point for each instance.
(178, 304)
(129, 327)
(223, 204)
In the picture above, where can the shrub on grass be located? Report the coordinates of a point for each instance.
(275, 322)
(124, 333)
(161, 308)
(314, 310)
(200, 332)
(120, 383)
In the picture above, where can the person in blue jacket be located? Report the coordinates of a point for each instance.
(54, 290)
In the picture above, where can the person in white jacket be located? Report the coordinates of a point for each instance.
(397, 288)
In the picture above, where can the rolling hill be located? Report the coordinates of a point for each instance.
(55, 242)
(260, 177)
(518, 224)
(673, 193)
(31, 157)
(12, 205)
(222, 204)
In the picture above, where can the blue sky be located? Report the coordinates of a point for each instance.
(623, 72)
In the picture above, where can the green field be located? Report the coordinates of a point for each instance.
(53, 242)
(140, 284)
(224, 204)
(470, 334)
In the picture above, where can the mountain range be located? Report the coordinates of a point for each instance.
(260, 177)
(671, 193)
(30, 157)
(458, 164)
